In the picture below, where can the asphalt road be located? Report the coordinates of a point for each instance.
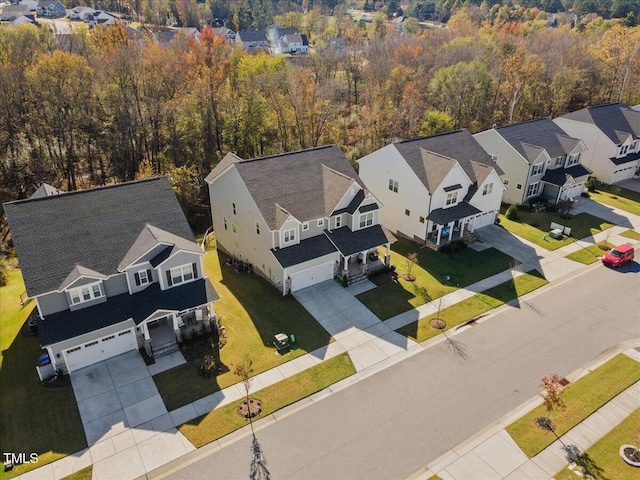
(397, 421)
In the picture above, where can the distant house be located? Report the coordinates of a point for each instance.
(80, 13)
(253, 40)
(227, 33)
(32, 4)
(100, 18)
(611, 133)
(293, 43)
(538, 158)
(166, 36)
(26, 19)
(51, 8)
(12, 12)
(434, 189)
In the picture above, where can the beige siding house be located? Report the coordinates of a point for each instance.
(297, 219)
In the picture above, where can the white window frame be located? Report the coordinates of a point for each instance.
(532, 189)
(181, 274)
(305, 226)
(233, 206)
(144, 278)
(559, 160)
(86, 293)
(452, 198)
(623, 150)
(257, 228)
(393, 185)
(321, 222)
(505, 181)
(289, 235)
(537, 169)
(224, 219)
(365, 219)
(338, 221)
(574, 159)
(487, 189)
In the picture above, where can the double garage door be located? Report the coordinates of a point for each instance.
(311, 276)
(103, 348)
(484, 219)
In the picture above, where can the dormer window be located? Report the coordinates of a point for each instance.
(289, 235)
(85, 293)
(537, 169)
(488, 188)
(143, 277)
(573, 159)
(182, 274)
(559, 161)
(623, 150)
(452, 198)
(366, 219)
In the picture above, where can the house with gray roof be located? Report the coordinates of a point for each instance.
(611, 134)
(111, 269)
(10, 13)
(298, 219)
(253, 40)
(51, 8)
(538, 159)
(434, 189)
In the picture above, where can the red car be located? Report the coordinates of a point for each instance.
(618, 256)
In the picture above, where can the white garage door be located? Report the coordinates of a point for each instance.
(103, 348)
(484, 219)
(309, 277)
(574, 191)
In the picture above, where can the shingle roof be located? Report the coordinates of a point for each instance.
(611, 119)
(443, 216)
(61, 326)
(78, 272)
(528, 137)
(252, 36)
(303, 184)
(94, 228)
(626, 159)
(308, 249)
(348, 242)
(458, 145)
(559, 176)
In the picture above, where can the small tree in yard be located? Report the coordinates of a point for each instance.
(551, 398)
(512, 212)
(412, 259)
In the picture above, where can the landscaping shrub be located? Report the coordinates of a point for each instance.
(512, 212)
(591, 184)
(381, 271)
(453, 247)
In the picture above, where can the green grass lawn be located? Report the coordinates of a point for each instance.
(602, 460)
(252, 312)
(535, 227)
(474, 306)
(590, 254)
(582, 398)
(617, 197)
(224, 420)
(463, 268)
(84, 474)
(33, 419)
(632, 234)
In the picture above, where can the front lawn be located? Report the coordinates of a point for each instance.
(33, 419)
(462, 268)
(474, 306)
(617, 197)
(590, 254)
(602, 460)
(632, 234)
(535, 227)
(582, 398)
(224, 420)
(252, 312)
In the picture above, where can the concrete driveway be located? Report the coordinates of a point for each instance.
(128, 428)
(367, 339)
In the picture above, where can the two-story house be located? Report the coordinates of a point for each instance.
(538, 159)
(253, 40)
(612, 135)
(51, 8)
(434, 189)
(298, 218)
(111, 269)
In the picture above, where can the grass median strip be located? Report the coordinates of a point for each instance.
(631, 234)
(602, 460)
(475, 306)
(590, 254)
(582, 398)
(224, 420)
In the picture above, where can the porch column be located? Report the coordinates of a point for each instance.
(439, 236)
(387, 256)
(363, 267)
(345, 267)
(450, 231)
(147, 340)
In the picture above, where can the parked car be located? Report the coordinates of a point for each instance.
(618, 256)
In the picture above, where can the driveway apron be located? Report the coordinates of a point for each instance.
(127, 426)
(367, 339)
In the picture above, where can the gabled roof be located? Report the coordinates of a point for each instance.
(150, 237)
(303, 184)
(252, 36)
(94, 228)
(560, 176)
(528, 137)
(78, 272)
(458, 145)
(349, 243)
(612, 119)
(45, 190)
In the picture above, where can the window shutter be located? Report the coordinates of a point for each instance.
(149, 277)
(137, 278)
(169, 282)
(195, 270)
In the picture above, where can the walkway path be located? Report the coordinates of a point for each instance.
(374, 345)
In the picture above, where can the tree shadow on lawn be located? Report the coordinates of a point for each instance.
(270, 312)
(35, 419)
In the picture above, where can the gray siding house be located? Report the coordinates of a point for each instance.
(298, 218)
(111, 269)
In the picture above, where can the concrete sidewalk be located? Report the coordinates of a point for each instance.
(493, 454)
(373, 346)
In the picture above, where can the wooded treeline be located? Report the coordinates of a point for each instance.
(114, 109)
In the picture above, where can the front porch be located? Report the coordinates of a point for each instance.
(358, 266)
(160, 334)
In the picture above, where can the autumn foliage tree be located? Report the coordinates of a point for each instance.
(551, 397)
